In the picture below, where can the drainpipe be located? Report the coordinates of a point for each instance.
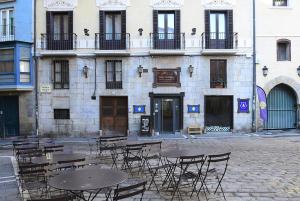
(254, 129)
(35, 69)
(95, 81)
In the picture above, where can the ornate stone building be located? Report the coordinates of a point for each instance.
(102, 64)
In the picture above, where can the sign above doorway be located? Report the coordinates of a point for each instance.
(166, 77)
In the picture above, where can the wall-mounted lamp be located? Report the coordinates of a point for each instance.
(191, 70)
(298, 71)
(140, 31)
(85, 71)
(194, 30)
(86, 32)
(140, 70)
(265, 71)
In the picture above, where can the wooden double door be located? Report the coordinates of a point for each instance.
(114, 115)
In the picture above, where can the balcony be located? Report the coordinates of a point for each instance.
(114, 85)
(219, 43)
(7, 33)
(167, 43)
(63, 43)
(114, 44)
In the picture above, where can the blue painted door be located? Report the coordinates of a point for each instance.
(9, 116)
(282, 108)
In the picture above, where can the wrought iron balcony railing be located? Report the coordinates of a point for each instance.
(112, 41)
(221, 40)
(59, 41)
(7, 33)
(168, 41)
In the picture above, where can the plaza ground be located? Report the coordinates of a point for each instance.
(262, 167)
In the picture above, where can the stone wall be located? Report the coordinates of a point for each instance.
(84, 112)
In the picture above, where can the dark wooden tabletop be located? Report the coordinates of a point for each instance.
(87, 179)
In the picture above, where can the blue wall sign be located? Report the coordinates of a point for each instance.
(243, 105)
(139, 109)
(193, 108)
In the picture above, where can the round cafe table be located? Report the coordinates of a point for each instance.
(89, 181)
(58, 157)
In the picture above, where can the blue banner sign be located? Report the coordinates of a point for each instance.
(139, 109)
(243, 105)
(193, 108)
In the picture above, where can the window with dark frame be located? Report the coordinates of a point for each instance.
(218, 73)
(280, 2)
(61, 74)
(113, 74)
(284, 50)
(61, 113)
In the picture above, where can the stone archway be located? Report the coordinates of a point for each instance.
(283, 80)
(282, 108)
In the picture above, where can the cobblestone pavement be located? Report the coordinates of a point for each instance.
(260, 169)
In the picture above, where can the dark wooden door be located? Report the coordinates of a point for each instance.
(114, 115)
(9, 116)
(219, 111)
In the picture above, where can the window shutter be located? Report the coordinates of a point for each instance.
(177, 30)
(177, 22)
(207, 28)
(101, 22)
(70, 17)
(230, 28)
(123, 21)
(48, 22)
(155, 21)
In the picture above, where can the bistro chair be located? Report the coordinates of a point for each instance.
(151, 153)
(133, 158)
(108, 148)
(25, 156)
(134, 188)
(216, 169)
(190, 173)
(33, 178)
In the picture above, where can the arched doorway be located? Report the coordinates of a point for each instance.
(282, 108)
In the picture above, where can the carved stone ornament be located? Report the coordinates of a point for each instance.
(167, 4)
(113, 4)
(60, 5)
(218, 4)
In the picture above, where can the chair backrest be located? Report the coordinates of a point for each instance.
(193, 163)
(66, 198)
(71, 161)
(130, 191)
(53, 148)
(218, 162)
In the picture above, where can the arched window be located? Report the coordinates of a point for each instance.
(283, 50)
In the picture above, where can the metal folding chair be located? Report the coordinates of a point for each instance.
(133, 158)
(215, 171)
(122, 192)
(190, 170)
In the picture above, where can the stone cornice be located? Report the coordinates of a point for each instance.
(113, 4)
(60, 5)
(218, 4)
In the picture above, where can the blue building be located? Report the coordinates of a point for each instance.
(16, 68)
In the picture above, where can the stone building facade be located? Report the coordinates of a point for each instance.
(181, 63)
(278, 62)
